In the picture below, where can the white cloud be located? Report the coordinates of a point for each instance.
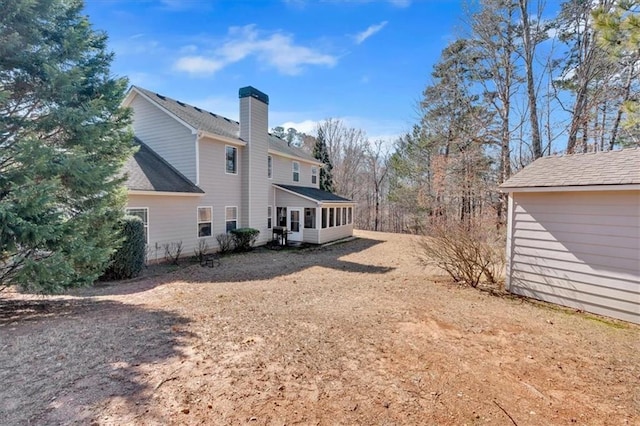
(276, 50)
(361, 37)
(198, 65)
(305, 126)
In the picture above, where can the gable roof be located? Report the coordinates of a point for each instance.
(209, 122)
(602, 168)
(314, 193)
(147, 171)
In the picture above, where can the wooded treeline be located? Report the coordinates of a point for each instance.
(525, 80)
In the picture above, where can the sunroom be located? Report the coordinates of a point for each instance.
(311, 215)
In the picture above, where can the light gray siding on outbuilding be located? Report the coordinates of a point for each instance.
(579, 249)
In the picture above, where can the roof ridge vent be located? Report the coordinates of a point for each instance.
(161, 97)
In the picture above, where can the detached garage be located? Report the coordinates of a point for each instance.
(573, 233)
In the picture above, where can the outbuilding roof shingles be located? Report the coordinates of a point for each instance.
(602, 168)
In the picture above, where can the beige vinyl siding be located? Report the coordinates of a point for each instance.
(283, 172)
(311, 236)
(335, 233)
(170, 139)
(578, 249)
(255, 184)
(171, 219)
(221, 188)
(286, 199)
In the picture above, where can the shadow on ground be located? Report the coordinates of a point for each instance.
(259, 264)
(60, 359)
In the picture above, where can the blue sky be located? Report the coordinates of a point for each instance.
(365, 62)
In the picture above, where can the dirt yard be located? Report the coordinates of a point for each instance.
(354, 333)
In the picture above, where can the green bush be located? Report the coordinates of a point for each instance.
(128, 260)
(244, 238)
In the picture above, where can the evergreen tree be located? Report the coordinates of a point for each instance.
(63, 140)
(321, 153)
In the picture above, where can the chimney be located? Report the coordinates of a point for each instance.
(254, 130)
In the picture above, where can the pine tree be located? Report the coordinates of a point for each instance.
(321, 153)
(63, 140)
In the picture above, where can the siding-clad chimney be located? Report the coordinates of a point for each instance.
(254, 123)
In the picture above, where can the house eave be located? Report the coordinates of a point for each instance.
(212, 136)
(164, 193)
(572, 188)
(318, 202)
(294, 157)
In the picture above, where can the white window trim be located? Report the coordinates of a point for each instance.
(225, 216)
(270, 216)
(270, 169)
(314, 174)
(198, 221)
(148, 225)
(225, 160)
(293, 171)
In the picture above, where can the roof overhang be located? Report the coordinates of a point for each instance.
(574, 188)
(219, 138)
(293, 157)
(165, 193)
(318, 202)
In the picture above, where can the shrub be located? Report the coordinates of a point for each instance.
(244, 238)
(225, 243)
(172, 252)
(201, 251)
(467, 252)
(128, 260)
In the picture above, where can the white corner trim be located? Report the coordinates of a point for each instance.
(509, 245)
(197, 161)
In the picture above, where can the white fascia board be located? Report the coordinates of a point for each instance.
(218, 138)
(575, 188)
(127, 101)
(163, 193)
(294, 157)
(318, 202)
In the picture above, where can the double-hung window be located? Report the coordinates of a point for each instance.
(232, 159)
(269, 217)
(269, 167)
(205, 222)
(314, 175)
(296, 171)
(231, 218)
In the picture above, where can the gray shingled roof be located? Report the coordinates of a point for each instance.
(201, 119)
(147, 171)
(601, 168)
(314, 193)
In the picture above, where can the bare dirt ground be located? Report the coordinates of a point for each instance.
(354, 333)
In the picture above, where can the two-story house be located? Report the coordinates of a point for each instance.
(198, 174)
